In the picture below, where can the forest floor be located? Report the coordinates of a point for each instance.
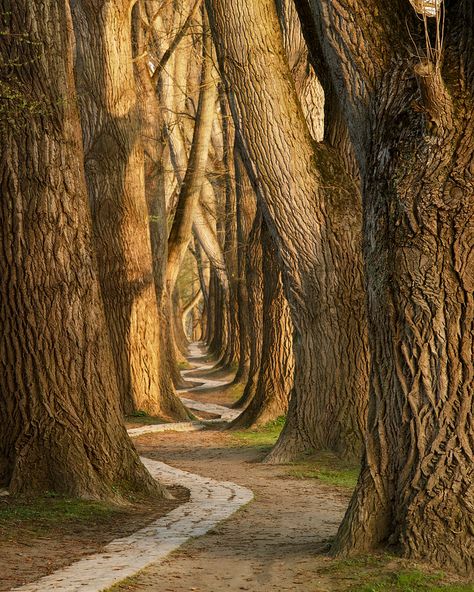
(279, 541)
(38, 537)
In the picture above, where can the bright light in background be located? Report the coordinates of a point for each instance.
(428, 8)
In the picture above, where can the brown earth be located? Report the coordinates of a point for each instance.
(38, 537)
(275, 543)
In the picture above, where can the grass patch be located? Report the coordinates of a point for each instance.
(44, 513)
(412, 581)
(262, 437)
(328, 468)
(142, 418)
(126, 584)
(387, 573)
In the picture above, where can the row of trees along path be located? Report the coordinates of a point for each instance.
(289, 181)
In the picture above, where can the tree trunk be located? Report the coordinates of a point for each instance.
(153, 144)
(311, 207)
(254, 278)
(114, 164)
(60, 427)
(245, 210)
(231, 354)
(181, 230)
(275, 379)
(416, 152)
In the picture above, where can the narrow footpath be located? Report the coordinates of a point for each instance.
(274, 543)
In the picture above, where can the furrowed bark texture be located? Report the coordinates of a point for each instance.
(60, 426)
(114, 164)
(231, 354)
(245, 211)
(153, 143)
(275, 379)
(309, 203)
(412, 124)
(254, 279)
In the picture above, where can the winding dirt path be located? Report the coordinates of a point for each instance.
(274, 543)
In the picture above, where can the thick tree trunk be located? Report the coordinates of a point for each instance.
(232, 351)
(60, 426)
(254, 278)
(275, 379)
(114, 164)
(311, 208)
(153, 143)
(416, 150)
(182, 342)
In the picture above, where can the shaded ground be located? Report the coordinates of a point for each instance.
(36, 538)
(279, 541)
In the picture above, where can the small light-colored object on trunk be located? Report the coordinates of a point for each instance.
(430, 8)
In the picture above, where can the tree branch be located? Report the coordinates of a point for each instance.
(174, 44)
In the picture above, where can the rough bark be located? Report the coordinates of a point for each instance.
(114, 164)
(311, 207)
(308, 88)
(416, 152)
(275, 379)
(153, 144)
(231, 354)
(254, 279)
(245, 211)
(60, 426)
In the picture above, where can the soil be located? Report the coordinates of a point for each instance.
(33, 547)
(275, 543)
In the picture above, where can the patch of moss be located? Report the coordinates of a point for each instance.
(144, 419)
(328, 468)
(235, 391)
(42, 513)
(261, 437)
(185, 365)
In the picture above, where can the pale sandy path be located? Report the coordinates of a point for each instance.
(211, 501)
(271, 545)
